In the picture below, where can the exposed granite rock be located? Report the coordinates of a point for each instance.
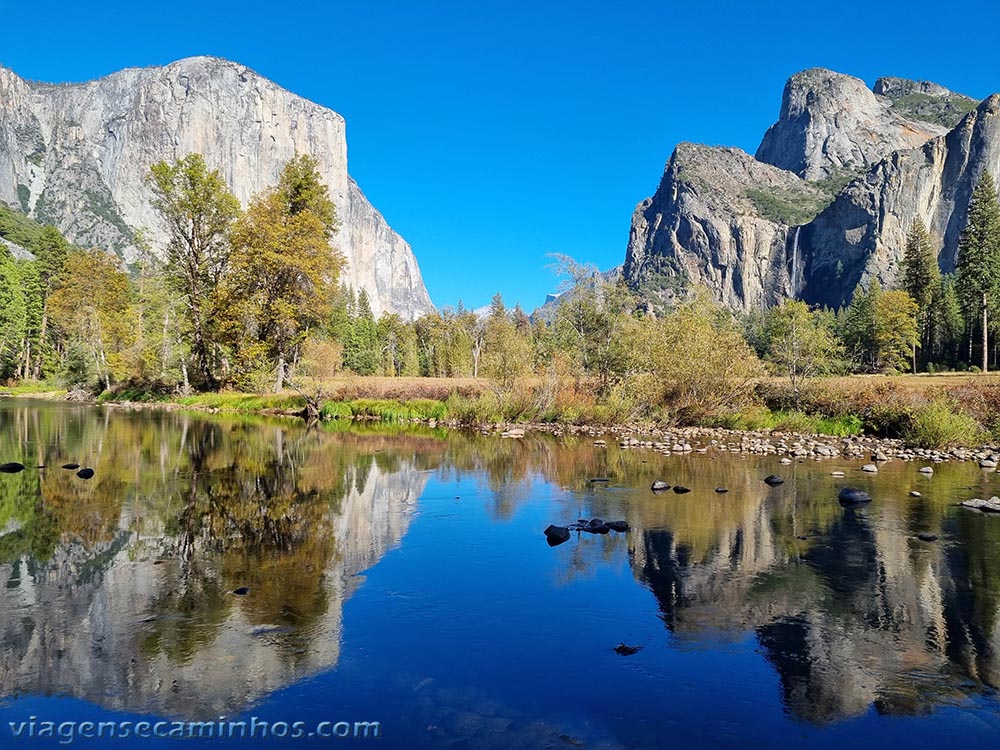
(862, 235)
(77, 156)
(721, 219)
(831, 122)
(828, 200)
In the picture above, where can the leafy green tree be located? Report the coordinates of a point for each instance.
(507, 353)
(34, 304)
(197, 210)
(857, 326)
(895, 329)
(361, 348)
(91, 304)
(945, 324)
(13, 314)
(281, 271)
(978, 266)
(920, 277)
(799, 344)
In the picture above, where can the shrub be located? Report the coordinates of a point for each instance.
(937, 425)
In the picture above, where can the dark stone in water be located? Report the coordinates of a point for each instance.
(596, 526)
(802, 537)
(556, 535)
(12, 468)
(618, 525)
(680, 489)
(85, 473)
(721, 490)
(659, 486)
(924, 537)
(71, 466)
(851, 497)
(773, 480)
(242, 591)
(622, 650)
(599, 480)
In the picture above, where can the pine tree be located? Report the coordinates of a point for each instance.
(919, 276)
(978, 266)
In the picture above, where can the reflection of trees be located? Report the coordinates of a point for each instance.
(128, 580)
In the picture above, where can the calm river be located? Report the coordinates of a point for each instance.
(293, 588)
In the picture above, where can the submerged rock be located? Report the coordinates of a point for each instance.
(987, 506)
(851, 497)
(12, 468)
(721, 490)
(71, 466)
(85, 473)
(596, 526)
(618, 525)
(556, 535)
(622, 650)
(681, 489)
(242, 591)
(773, 480)
(925, 537)
(659, 486)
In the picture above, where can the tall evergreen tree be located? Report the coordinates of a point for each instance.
(919, 277)
(978, 266)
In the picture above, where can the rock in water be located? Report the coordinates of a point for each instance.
(681, 489)
(71, 466)
(851, 497)
(926, 470)
(914, 493)
(95, 140)
(870, 468)
(556, 535)
(773, 480)
(659, 486)
(622, 650)
(987, 506)
(618, 525)
(85, 473)
(12, 468)
(242, 591)
(925, 537)
(596, 526)
(721, 490)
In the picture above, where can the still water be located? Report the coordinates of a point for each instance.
(401, 577)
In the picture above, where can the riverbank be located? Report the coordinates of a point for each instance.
(777, 437)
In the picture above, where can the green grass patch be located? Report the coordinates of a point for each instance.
(243, 402)
(762, 418)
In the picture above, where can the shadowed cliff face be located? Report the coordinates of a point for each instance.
(77, 156)
(827, 201)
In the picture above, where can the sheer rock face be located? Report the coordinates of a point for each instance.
(831, 122)
(704, 224)
(827, 201)
(861, 236)
(77, 156)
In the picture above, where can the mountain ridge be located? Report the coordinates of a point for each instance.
(754, 236)
(76, 155)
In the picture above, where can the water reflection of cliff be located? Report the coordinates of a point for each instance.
(855, 615)
(120, 591)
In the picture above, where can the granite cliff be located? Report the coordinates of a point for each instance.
(77, 155)
(827, 199)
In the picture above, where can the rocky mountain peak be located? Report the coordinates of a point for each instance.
(77, 156)
(830, 122)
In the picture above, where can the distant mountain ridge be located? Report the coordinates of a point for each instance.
(77, 155)
(826, 201)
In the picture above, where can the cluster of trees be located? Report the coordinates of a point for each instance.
(229, 301)
(248, 299)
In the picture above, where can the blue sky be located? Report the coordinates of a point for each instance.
(493, 133)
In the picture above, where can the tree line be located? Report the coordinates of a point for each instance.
(252, 299)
